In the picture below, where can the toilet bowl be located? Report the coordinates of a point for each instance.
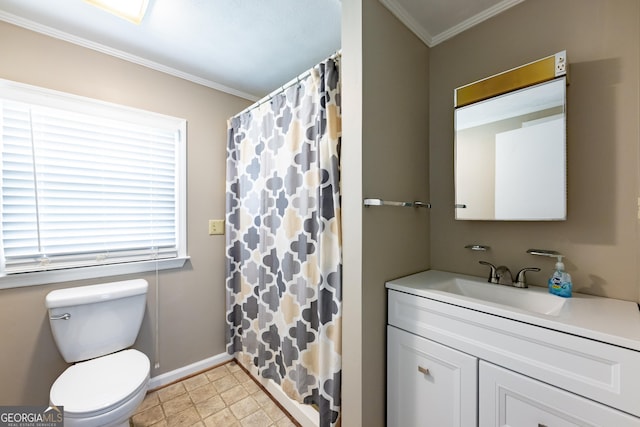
(93, 326)
(102, 391)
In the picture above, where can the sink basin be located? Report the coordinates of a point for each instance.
(529, 299)
(443, 295)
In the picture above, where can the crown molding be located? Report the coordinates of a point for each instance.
(475, 20)
(61, 35)
(406, 18)
(423, 34)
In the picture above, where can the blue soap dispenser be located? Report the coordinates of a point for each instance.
(560, 281)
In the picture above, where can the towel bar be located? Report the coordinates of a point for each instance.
(380, 202)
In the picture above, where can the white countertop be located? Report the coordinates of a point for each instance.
(608, 320)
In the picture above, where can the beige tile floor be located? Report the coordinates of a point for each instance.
(225, 396)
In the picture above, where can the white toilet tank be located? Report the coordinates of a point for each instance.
(92, 321)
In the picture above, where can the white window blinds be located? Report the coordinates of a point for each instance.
(87, 188)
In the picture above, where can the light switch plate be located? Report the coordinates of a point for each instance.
(216, 226)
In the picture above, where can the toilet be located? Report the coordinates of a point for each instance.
(93, 327)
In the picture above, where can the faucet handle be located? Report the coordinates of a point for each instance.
(521, 280)
(493, 277)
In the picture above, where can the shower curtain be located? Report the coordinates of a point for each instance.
(283, 240)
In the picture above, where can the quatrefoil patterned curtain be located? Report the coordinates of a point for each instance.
(284, 288)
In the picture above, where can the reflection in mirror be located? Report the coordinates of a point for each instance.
(510, 155)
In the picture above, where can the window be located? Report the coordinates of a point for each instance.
(87, 184)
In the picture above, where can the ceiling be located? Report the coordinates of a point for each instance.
(435, 21)
(244, 47)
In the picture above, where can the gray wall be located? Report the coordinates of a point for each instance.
(192, 319)
(385, 155)
(384, 78)
(600, 236)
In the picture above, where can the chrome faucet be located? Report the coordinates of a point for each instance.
(502, 275)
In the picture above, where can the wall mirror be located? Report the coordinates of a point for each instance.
(510, 145)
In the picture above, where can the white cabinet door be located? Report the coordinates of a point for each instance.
(508, 399)
(429, 384)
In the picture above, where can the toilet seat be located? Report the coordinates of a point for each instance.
(99, 385)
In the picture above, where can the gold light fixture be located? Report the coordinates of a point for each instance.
(131, 10)
(530, 74)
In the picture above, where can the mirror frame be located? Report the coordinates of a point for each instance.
(500, 87)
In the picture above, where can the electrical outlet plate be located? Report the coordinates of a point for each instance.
(561, 63)
(216, 226)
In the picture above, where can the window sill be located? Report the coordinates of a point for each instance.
(58, 276)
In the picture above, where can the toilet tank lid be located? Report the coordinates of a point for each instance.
(95, 293)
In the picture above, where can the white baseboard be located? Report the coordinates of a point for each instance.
(180, 373)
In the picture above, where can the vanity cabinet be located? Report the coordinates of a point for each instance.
(510, 399)
(429, 381)
(487, 367)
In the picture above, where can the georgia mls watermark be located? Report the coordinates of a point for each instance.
(31, 416)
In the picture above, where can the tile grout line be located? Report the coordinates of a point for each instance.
(246, 371)
(156, 412)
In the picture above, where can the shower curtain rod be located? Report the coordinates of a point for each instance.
(285, 86)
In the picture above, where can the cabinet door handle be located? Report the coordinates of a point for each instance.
(542, 425)
(425, 371)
